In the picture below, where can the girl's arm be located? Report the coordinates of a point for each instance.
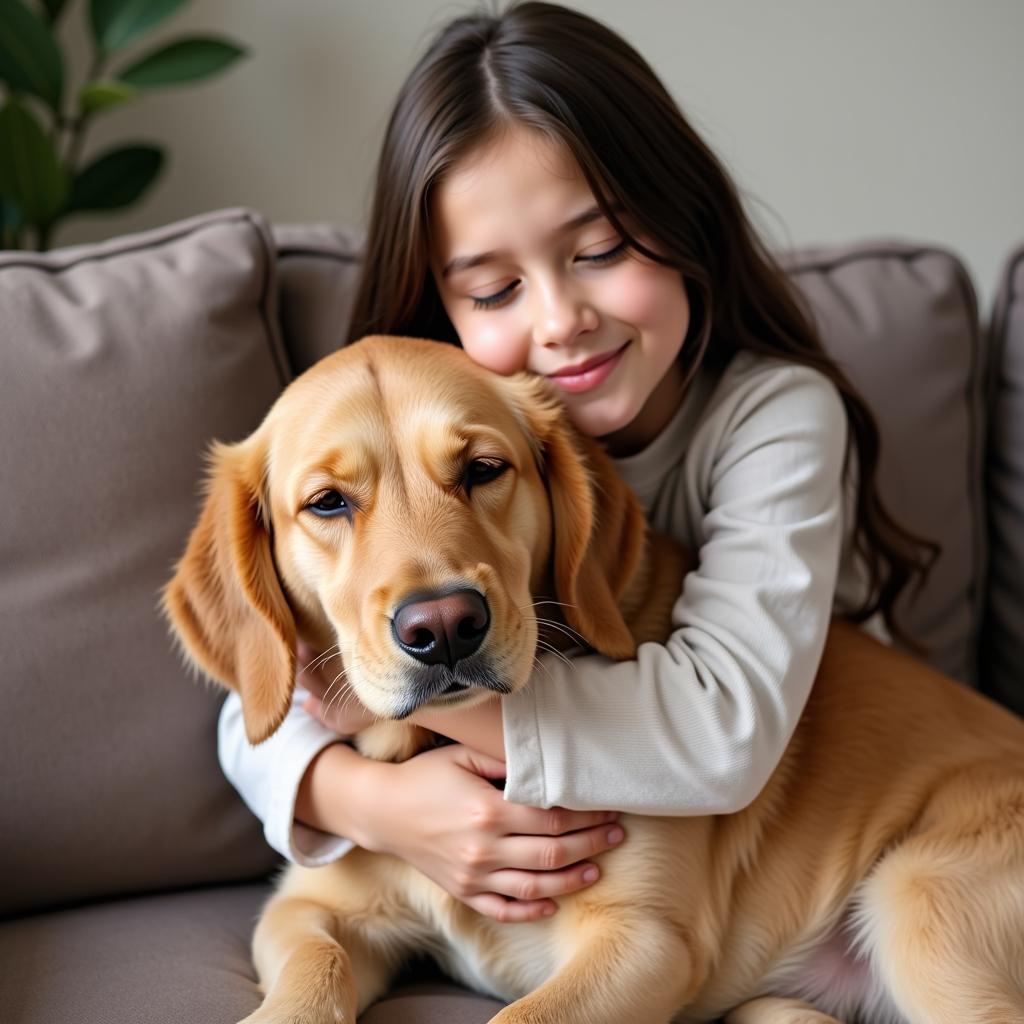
(267, 777)
(438, 811)
(698, 725)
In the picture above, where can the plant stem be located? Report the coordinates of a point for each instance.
(79, 122)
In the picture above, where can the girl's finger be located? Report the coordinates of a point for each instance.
(531, 886)
(551, 853)
(554, 821)
(484, 765)
(508, 911)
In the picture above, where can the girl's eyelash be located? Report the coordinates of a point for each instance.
(490, 301)
(607, 257)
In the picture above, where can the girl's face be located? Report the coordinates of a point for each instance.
(533, 277)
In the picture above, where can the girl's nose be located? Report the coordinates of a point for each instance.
(561, 313)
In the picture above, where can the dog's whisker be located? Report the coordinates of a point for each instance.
(561, 604)
(562, 628)
(540, 664)
(323, 657)
(553, 650)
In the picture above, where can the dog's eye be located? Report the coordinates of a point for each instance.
(482, 471)
(328, 505)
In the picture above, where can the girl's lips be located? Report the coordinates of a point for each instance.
(589, 378)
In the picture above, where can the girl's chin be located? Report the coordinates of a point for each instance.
(603, 423)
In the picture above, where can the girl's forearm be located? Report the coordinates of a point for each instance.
(478, 727)
(332, 792)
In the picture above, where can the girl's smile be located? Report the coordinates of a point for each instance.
(534, 277)
(588, 374)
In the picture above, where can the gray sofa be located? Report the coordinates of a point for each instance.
(130, 872)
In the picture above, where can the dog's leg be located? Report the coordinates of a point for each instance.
(943, 914)
(637, 970)
(313, 970)
(778, 1011)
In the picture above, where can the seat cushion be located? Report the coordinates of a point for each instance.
(1002, 646)
(119, 363)
(175, 958)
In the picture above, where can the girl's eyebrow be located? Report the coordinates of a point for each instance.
(466, 262)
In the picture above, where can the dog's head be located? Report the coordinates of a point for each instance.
(412, 511)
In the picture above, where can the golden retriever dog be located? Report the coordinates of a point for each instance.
(879, 876)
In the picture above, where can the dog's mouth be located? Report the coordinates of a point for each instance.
(448, 685)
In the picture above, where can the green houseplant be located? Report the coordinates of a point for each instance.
(43, 179)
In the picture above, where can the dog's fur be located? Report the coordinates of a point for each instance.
(880, 872)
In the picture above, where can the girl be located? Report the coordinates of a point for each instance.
(541, 201)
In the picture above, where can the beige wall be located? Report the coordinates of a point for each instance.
(840, 120)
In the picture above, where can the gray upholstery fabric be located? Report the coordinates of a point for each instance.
(902, 322)
(431, 1004)
(119, 363)
(1002, 647)
(318, 265)
(175, 958)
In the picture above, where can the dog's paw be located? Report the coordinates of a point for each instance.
(392, 741)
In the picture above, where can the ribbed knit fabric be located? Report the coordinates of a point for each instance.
(748, 476)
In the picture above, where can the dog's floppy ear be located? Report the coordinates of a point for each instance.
(599, 527)
(225, 601)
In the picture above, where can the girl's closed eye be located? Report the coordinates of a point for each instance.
(499, 298)
(608, 255)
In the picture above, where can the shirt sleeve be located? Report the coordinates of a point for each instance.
(698, 725)
(267, 777)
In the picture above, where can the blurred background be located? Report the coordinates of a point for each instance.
(839, 121)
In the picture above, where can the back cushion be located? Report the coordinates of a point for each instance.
(318, 267)
(1002, 647)
(902, 322)
(119, 362)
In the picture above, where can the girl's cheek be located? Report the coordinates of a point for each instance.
(494, 346)
(643, 296)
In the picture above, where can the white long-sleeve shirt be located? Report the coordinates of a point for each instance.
(748, 474)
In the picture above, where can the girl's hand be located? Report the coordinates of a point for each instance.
(438, 812)
(331, 701)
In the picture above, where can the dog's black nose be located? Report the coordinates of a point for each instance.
(442, 630)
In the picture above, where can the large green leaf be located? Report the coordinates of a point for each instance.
(29, 57)
(116, 178)
(116, 23)
(30, 172)
(187, 60)
(103, 94)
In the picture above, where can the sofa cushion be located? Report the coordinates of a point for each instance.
(1002, 646)
(318, 265)
(175, 958)
(902, 322)
(120, 361)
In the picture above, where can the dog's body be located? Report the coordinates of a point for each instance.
(880, 872)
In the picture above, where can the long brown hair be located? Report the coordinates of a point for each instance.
(563, 73)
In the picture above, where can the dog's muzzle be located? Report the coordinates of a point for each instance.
(444, 633)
